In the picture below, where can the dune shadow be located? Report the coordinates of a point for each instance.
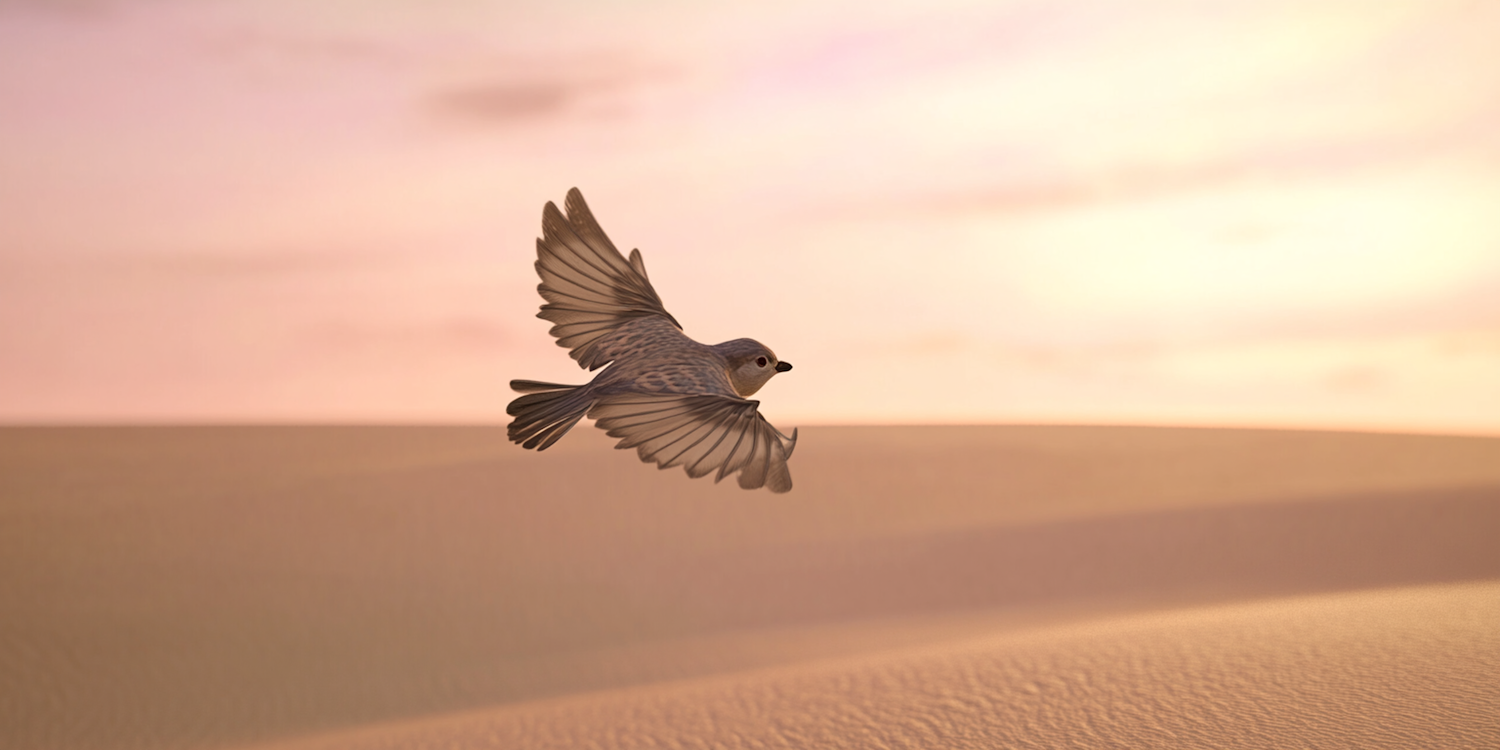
(1167, 558)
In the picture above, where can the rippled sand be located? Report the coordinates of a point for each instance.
(1394, 668)
(921, 587)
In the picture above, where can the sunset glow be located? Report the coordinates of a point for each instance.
(1227, 213)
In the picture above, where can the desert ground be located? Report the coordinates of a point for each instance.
(1004, 586)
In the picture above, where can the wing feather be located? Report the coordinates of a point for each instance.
(753, 473)
(708, 434)
(734, 458)
(571, 315)
(706, 455)
(702, 433)
(591, 290)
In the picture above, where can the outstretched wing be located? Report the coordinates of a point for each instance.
(590, 288)
(702, 433)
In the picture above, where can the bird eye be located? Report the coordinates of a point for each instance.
(760, 361)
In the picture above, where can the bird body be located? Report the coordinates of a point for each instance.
(677, 401)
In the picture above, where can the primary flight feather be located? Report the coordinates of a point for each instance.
(676, 401)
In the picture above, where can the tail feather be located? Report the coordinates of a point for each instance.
(534, 386)
(546, 413)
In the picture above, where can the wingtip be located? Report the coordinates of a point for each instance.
(638, 263)
(779, 478)
(577, 206)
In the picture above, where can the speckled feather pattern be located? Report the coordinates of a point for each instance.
(676, 401)
(653, 356)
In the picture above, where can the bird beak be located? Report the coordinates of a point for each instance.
(783, 366)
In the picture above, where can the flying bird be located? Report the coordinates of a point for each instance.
(676, 401)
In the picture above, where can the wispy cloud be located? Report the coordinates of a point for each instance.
(63, 8)
(1137, 177)
(526, 90)
(485, 335)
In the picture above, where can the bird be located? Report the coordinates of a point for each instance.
(676, 401)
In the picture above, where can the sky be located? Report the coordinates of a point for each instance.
(1269, 214)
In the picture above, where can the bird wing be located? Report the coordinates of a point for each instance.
(591, 290)
(701, 433)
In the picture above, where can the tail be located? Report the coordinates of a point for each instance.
(546, 413)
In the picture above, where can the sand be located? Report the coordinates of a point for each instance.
(921, 587)
(1402, 668)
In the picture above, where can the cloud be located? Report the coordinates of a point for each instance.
(248, 42)
(1356, 379)
(185, 270)
(211, 262)
(457, 332)
(512, 100)
(530, 90)
(67, 8)
(254, 263)
(1143, 178)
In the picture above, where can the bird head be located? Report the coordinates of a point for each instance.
(751, 364)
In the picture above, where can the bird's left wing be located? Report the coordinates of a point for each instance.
(591, 290)
(702, 433)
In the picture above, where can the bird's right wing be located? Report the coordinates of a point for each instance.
(701, 433)
(591, 290)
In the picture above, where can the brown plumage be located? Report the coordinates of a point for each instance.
(676, 401)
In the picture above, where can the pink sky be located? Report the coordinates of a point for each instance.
(1250, 213)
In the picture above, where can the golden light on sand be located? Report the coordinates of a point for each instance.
(349, 587)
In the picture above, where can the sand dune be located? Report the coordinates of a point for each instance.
(1029, 586)
(1402, 668)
